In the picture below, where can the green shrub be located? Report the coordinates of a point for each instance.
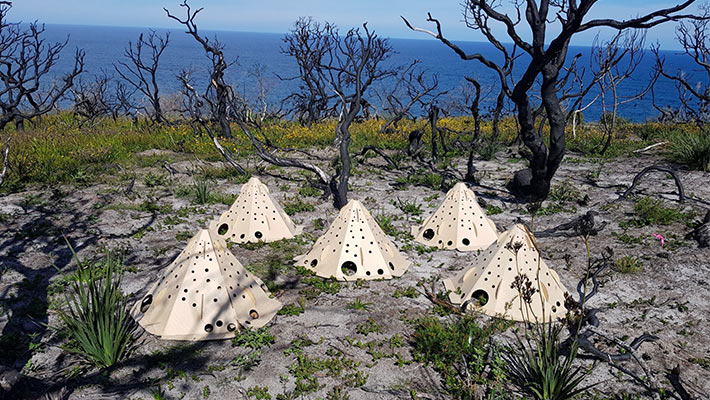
(214, 173)
(310, 191)
(155, 180)
(410, 292)
(650, 211)
(692, 150)
(493, 210)
(628, 264)
(488, 150)
(318, 286)
(409, 207)
(255, 339)
(259, 392)
(434, 181)
(628, 239)
(297, 206)
(184, 236)
(565, 192)
(540, 368)
(457, 349)
(98, 320)
(294, 309)
(368, 327)
(385, 222)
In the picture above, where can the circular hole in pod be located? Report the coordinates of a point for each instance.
(223, 229)
(147, 301)
(349, 268)
(480, 297)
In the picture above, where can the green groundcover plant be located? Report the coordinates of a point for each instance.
(97, 320)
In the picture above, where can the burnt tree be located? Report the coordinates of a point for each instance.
(353, 63)
(413, 88)
(307, 44)
(350, 64)
(194, 105)
(613, 62)
(694, 94)
(26, 59)
(262, 105)
(546, 57)
(140, 71)
(92, 100)
(219, 95)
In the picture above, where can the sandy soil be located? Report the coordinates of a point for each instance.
(668, 298)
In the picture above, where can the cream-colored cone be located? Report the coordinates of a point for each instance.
(459, 223)
(255, 216)
(498, 275)
(205, 294)
(354, 247)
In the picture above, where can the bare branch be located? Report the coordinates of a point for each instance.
(26, 59)
(5, 161)
(140, 71)
(219, 94)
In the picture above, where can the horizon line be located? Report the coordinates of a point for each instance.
(283, 33)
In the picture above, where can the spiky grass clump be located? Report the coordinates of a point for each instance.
(98, 320)
(540, 368)
(202, 191)
(692, 150)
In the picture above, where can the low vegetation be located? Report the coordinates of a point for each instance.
(651, 211)
(541, 369)
(145, 177)
(97, 318)
(458, 349)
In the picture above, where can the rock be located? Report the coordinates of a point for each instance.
(702, 235)
(520, 185)
(8, 378)
(156, 152)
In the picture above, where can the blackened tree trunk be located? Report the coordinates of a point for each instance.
(433, 120)
(339, 181)
(476, 114)
(547, 56)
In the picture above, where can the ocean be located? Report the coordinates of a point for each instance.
(104, 46)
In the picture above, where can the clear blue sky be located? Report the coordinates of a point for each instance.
(278, 15)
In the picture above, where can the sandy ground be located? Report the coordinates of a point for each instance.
(668, 298)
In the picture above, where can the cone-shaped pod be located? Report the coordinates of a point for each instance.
(255, 216)
(354, 247)
(205, 294)
(510, 280)
(459, 223)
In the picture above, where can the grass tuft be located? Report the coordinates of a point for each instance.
(692, 150)
(628, 264)
(542, 370)
(98, 320)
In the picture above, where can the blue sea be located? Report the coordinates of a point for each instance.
(104, 46)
